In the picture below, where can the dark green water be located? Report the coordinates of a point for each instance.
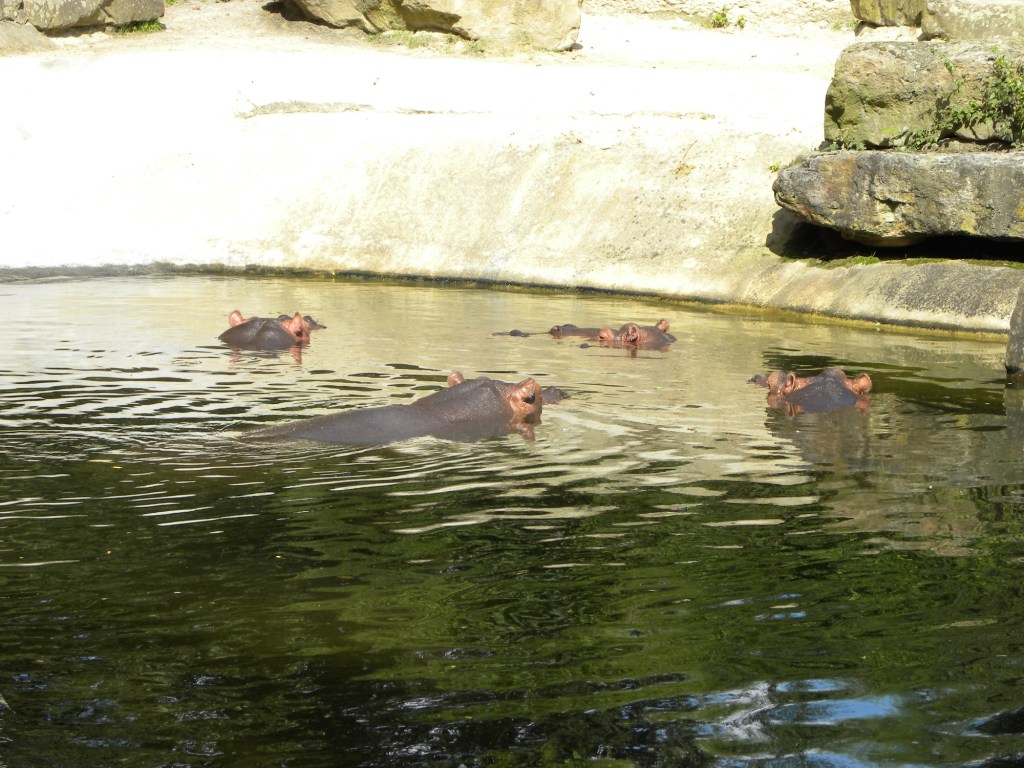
(669, 573)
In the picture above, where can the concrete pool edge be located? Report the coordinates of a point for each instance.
(918, 321)
(647, 171)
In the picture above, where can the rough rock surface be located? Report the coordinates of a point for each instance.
(883, 92)
(1015, 344)
(889, 13)
(892, 198)
(593, 168)
(56, 15)
(551, 25)
(21, 38)
(982, 20)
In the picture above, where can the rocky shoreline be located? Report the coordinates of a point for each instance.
(641, 161)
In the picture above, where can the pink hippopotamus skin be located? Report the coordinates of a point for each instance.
(635, 336)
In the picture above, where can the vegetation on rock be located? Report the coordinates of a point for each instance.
(1001, 106)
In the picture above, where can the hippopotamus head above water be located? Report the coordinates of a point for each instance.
(549, 395)
(829, 390)
(265, 333)
(637, 336)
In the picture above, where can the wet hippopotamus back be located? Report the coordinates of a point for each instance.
(568, 329)
(467, 411)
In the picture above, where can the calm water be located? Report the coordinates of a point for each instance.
(669, 573)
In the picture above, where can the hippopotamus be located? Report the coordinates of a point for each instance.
(637, 336)
(550, 395)
(266, 333)
(561, 331)
(468, 410)
(829, 390)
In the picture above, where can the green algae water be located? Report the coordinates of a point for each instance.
(669, 574)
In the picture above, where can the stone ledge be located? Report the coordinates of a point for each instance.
(893, 198)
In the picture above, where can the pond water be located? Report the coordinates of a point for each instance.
(670, 573)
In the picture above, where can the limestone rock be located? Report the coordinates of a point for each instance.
(21, 38)
(368, 15)
(540, 24)
(894, 198)
(982, 20)
(54, 15)
(882, 92)
(13, 10)
(889, 13)
(1015, 344)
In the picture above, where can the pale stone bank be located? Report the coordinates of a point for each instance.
(641, 159)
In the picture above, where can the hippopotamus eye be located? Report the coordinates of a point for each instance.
(530, 398)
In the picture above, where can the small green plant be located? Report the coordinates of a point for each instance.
(741, 22)
(140, 27)
(1002, 100)
(719, 19)
(1001, 105)
(774, 167)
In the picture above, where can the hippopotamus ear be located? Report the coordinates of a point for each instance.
(456, 377)
(662, 325)
(526, 391)
(861, 384)
(236, 318)
(631, 333)
(295, 325)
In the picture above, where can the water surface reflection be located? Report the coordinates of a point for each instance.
(670, 572)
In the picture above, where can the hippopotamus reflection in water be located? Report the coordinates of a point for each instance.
(267, 333)
(468, 410)
(829, 390)
(636, 336)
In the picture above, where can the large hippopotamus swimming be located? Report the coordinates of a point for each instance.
(268, 333)
(829, 390)
(468, 410)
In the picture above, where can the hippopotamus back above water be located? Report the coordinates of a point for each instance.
(266, 333)
(468, 410)
(568, 329)
(829, 390)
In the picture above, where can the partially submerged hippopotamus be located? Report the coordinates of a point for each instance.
(549, 395)
(466, 411)
(637, 336)
(829, 390)
(267, 333)
(568, 329)
(630, 335)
